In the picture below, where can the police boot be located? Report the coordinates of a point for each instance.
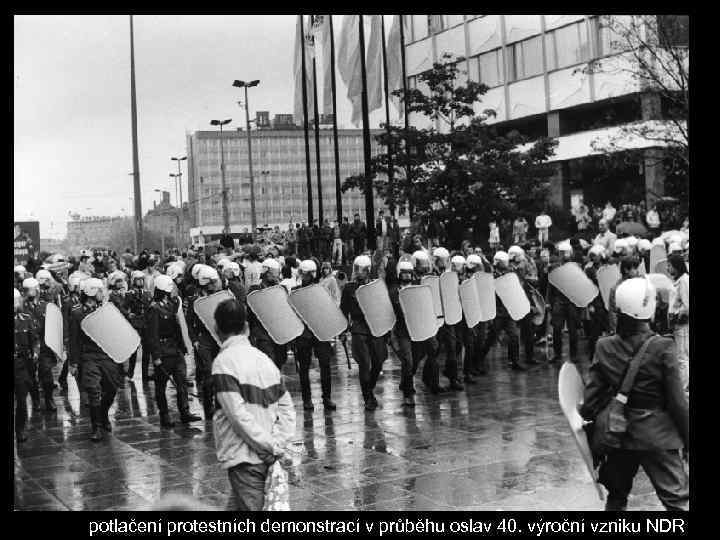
(165, 420)
(96, 435)
(305, 390)
(49, 399)
(35, 397)
(103, 420)
(326, 388)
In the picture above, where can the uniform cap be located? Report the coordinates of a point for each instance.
(223, 262)
(308, 266)
(473, 260)
(636, 298)
(75, 278)
(164, 283)
(441, 253)
(92, 286)
(173, 271)
(404, 266)
(30, 283)
(501, 256)
(362, 261)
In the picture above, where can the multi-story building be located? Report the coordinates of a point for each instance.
(534, 68)
(166, 220)
(91, 231)
(279, 172)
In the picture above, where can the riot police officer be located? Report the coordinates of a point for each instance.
(306, 344)
(448, 333)
(137, 302)
(100, 375)
(42, 372)
(167, 349)
(259, 338)
(26, 344)
(563, 310)
(527, 275)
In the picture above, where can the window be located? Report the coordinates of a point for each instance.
(525, 59)
(487, 69)
(568, 46)
(436, 23)
(609, 41)
(419, 27)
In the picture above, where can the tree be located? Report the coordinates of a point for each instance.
(464, 169)
(653, 51)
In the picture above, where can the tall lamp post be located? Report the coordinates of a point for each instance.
(176, 177)
(226, 217)
(179, 177)
(265, 174)
(246, 85)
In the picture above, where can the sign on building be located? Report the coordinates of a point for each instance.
(26, 241)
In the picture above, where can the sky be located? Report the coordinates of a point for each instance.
(72, 124)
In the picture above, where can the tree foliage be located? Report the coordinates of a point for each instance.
(460, 166)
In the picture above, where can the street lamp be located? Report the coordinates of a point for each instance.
(265, 174)
(226, 217)
(246, 85)
(179, 177)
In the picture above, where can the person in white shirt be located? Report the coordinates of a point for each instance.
(679, 314)
(253, 270)
(608, 213)
(543, 222)
(652, 218)
(255, 415)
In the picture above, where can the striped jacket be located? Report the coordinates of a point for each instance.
(256, 416)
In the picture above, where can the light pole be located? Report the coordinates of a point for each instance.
(179, 176)
(246, 85)
(265, 174)
(162, 233)
(177, 201)
(226, 216)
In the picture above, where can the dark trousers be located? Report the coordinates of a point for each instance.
(22, 386)
(411, 354)
(664, 469)
(203, 374)
(513, 334)
(248, 484)
(469, 340)
(527, 337)
(100, 379)
(448, 338)
(276, 353)
(369, 352)
(561, 314)
(303, 249)
(145, 357)
(171, 366)
(46, 362)
(323, 351)
(358, 246)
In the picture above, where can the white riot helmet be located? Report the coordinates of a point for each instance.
(114, 277)
(195, 272)
(207, 275)
(565, 247)
(30, 284)
(222, 263)
(502, 257)
(473, 260)
(620, 244)
(675, 246)
(43, 277)
(659, 241)
(598, 250)
(644, 245)
(92, 286)
(361, 266)
(271, 264)
(75, 279)
(420, 259)
(235, 268)
(515, 252)
(404, 266)
(441, 254)
(636, 297)
(458, 263)
(137, 274)
(632, 241)
(164, 283)
(20, 270)
(17, 298)
(181, 264)
(308, 265)
(173, 271)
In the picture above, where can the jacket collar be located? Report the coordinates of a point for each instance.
(239, 339)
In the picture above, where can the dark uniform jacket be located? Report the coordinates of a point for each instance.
(235, 286)
(196, 328)
(349, 306)
(26, 343)
(137, 304)
(400, 329)
(257, 330)
(164, 333)
(37, 308)
(119, 301)
(657, 408)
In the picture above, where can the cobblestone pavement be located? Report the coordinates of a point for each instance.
(503, 444)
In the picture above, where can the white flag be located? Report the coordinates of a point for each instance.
(374, 64)
(348, 63)
(394, 63)
(301, 44)
(321, 31)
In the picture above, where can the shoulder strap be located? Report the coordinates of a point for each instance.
(632, 370)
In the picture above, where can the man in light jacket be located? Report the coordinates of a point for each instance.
(254, 416)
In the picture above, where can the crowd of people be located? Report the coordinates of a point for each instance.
(156, 293)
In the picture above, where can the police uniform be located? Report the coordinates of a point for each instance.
(260, 339)
(527, 274)
(449, 340)
(137, 304)
(368, 351)
(71, 302)
(305, 345)
(165, 341)
(563, 311)
(26, 342)
(42, 373)
(595, 320)
(100, 375)
(207, 350)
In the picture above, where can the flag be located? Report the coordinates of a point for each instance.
(301, 44)
(394, 63)
(348, 63)
(374, 64)
(321, 32)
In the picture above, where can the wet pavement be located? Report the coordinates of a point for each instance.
(503, 444)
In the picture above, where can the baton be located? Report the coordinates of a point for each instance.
(343, 340)
(167, 375)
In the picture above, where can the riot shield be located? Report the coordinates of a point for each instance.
(485, 284)
(317, 309)
(661, 267)
(450, 297)
(512, 295)
(570, 280)
(657, 254)
(470, 301)
(374, 302)
(416, 302)
(538, 302)
(570, 394)
(107, 327)
(608, 275)
(434, 283)
(273, 310)
(205, 307)
(54, 329)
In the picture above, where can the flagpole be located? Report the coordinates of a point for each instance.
(305, 121)
(338, 188)
(405, 107)
(390, 174)
(317, 145)
(136, 160)
(369, 202)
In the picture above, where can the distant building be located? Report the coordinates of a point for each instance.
(52, 245)
(166, 219)
(279, 171)
(91, 232)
